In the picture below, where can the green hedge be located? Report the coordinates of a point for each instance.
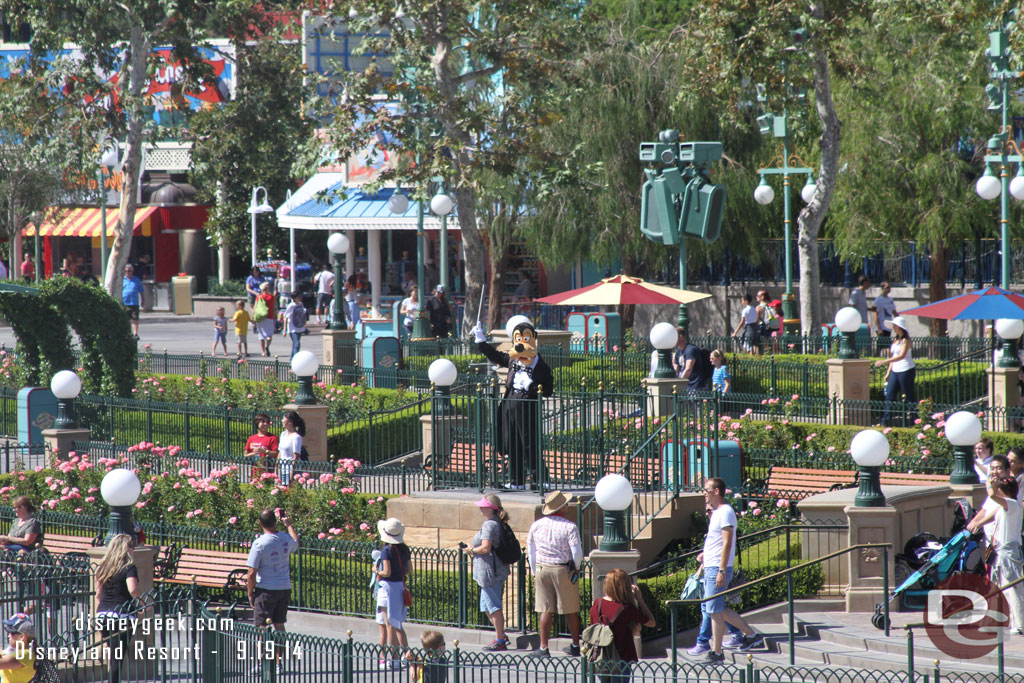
(373, 443)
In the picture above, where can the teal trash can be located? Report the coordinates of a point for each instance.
(698, 461)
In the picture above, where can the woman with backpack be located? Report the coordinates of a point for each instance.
(489, 571)
(619, 609)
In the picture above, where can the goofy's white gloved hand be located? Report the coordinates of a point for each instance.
(478, 333)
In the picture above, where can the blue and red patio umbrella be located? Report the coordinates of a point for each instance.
(990, 303)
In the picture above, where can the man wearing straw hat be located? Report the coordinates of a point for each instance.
(552, 544)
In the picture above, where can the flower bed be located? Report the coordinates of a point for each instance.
(325, 506)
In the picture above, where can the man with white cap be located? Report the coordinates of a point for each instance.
(552, 544)
(439, 313)
(17, 663)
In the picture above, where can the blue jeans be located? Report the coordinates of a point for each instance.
(710, 588)
(704, 635)
(296, 341)
(898, 383)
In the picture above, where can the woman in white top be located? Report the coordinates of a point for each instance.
(409, 306)
(289, 445)
(748, 324)
(901, 373)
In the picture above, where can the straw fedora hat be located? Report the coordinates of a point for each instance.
(555, 501)
(391, 530)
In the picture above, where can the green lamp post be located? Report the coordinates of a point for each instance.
(304, 365)
(441, 205)
(338, 245)
(870, 450)
(65, 386)
(963, 429)
(1009, 330)
(848, 321)
(120, 490)
(1003, 153)
(614, 494)
(663, 338)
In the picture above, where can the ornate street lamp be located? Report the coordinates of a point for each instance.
(120, 489)
(870, 450)
(664, 337)
(614, 494)
(442, 373)
(338, 245)
(305, 365)
(255, 208)
(441, 205)
(1009, 330)
(963, 429)
(66, 386)
(848, 321)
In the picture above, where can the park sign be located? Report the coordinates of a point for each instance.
(680, 200)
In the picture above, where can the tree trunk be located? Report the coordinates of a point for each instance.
(137, 80)
(628, 311)
(939, 260)
(476, 255)
(812, 216)
(494, 289)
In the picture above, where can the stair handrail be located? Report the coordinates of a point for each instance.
(1000, 653)
(674, 605)
(582, 509)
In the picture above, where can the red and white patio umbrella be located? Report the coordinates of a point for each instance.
(623, 289)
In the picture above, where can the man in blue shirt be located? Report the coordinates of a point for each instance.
(131, 296)
(269, 581)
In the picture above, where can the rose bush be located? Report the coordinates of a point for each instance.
(323, 506)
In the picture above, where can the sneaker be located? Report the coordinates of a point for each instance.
(497, 645)
(715, 658)
(572, 650)
(735, 641)
(384, 665)
(540, 652)
(699, 649)
(750, 642)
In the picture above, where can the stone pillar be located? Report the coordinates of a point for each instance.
(315, 440)
(602, 562)
(870, 525)
(343, 356)
(446, 427)
(1003, 395)
(661, 395)
(60, 440)
(850, 380)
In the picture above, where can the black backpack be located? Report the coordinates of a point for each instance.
(508, 551)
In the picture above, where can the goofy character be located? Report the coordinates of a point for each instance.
(518, 434)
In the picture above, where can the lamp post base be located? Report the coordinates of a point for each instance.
(664, 368)
(120, 522)
(869, 494)
(963, 466)
(614, 539)
(1009, 357)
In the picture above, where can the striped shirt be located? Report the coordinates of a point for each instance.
(551, 540)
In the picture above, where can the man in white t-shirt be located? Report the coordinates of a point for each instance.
(324, 293)
(1005, 562)
(718, 558)
(986, 516)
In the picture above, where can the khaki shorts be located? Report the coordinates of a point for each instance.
(555, 591)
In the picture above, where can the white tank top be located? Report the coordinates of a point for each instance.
(908, 361)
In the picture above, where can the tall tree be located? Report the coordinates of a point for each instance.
(114, 40)
(466, 73)
(731, 43)
(910, 161)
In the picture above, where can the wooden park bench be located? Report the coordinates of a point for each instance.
(797, 483)
(906, 479)
(211, 570)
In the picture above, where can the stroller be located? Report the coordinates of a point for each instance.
(926, 561)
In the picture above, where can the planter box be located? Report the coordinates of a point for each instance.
(206, 305)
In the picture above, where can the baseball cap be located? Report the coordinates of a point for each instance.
(20, 623)
(439, 288)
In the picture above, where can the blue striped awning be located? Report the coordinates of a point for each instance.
(356, 211)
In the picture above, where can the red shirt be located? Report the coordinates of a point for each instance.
(271, 305)
(28, 269)
(622, 627)
(269, 442)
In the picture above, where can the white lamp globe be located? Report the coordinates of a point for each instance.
(807, 193)
(764, 194)
(1009, 328)
(442, 372)
(305, 364)
(120, 487)
(988, 187)
(65, 385)
(869, 448)
(614, 492)
(664, 336)
(513, 322)
(398, 203)
(441, 204)
(1017, 187)
(963, 428)
(337, 243)
(848, 319)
